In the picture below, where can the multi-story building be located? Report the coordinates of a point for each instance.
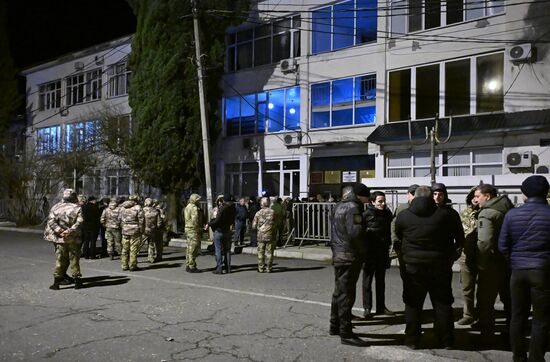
(318, 94)
(67, 98)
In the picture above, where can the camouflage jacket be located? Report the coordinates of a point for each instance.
(264, 222)
(193, 214)
(132, 219)
(110, 218)
(468, 217)
(153, 221)
(64, 216)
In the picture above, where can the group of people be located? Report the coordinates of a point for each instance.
(73, 226)
(501, 250)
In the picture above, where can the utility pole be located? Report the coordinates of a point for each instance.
(433, 136)
(204, 123)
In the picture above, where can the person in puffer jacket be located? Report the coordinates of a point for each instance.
(524, 242)
(493, 275)
(347, 241)
(432, 239)
(132, 221)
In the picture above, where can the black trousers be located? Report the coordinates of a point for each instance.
(343, 298)
(435, 280)
(89, 237)
(375, 268)
(530, 286)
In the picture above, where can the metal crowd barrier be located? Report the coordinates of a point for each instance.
(311, 222)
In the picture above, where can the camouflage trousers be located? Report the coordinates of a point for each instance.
(130, 250)
(67, 254)
(265, 255)
(155, 245)
(193, 247)
(114, 241)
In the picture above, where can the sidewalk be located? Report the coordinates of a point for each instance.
(306, 252)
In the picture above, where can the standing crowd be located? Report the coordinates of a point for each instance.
(501, 250)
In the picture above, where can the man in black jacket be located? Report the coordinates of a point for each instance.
(221, 225)
(432, 239)
(90, 227)
(347, 242)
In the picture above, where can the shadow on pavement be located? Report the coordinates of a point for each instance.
(104, 281)
(284, 269)
(181, 257)
(162, 266)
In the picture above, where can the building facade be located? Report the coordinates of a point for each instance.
(319, 95)
(68, 101)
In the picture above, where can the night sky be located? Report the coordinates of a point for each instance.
(43, 30)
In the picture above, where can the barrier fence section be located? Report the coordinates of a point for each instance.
(311, 222)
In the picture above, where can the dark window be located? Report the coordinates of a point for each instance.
(366, 21)
(433, 14)
(415, 15)
(454, 11)
(262, 51)
(489, 83)
(281, 46)
(457, 87)
(427, 91)
(244, 55)
(400, 95)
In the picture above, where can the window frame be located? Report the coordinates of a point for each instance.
(118, 79)
(353, 106)
(87, 136)
(49, 98)
(48, 143)
(87, 85)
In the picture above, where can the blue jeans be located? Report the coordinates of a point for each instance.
(222, 251)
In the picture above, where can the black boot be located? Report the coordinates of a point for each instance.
(55, 285)
(77, 283)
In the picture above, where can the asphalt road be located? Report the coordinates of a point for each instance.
(164, 314)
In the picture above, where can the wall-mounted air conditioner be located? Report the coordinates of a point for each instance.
(293, 140)
(78, 65)
(288, 65)
(519, 160)
(520, 53)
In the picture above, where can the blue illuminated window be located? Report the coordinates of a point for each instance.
(273, 111)
(344, 24)
(81, 136)
(48, 140)
(344, 102)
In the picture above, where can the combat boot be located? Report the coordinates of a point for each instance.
(77, 283)
(55, 285)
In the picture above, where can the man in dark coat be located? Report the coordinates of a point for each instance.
(525, 243)
(378, 220)
(253, 208)
(432, 239)
(240, 221)
(347, 242)
(221, 225)
(90, 227)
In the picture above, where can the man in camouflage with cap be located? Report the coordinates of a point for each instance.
(111, 221)
(153, 224)
(264, 223)
(193, 231)
(63, 230)
(132, 221)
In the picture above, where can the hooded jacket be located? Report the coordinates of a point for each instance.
(525, 236)
(429, 234)
(192, 214)
(153, 221)
(489, 222)
(132, 219)
(347, 234)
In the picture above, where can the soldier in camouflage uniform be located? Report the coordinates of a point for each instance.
(164, 240)
(467, 261)
(133, 225)
(264, 223)
(153, 224)
(63, 230)
(193, 230)
(111, 221)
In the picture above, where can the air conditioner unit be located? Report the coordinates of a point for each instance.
(288, 65)
(519, 160)
(78, 65)
(293, 140)
(520, 52)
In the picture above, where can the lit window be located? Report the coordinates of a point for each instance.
(344, 102)
(48, 140)
(343, 25)
(81, 136)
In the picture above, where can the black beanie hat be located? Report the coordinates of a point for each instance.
(535, 185)
(360, 189)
